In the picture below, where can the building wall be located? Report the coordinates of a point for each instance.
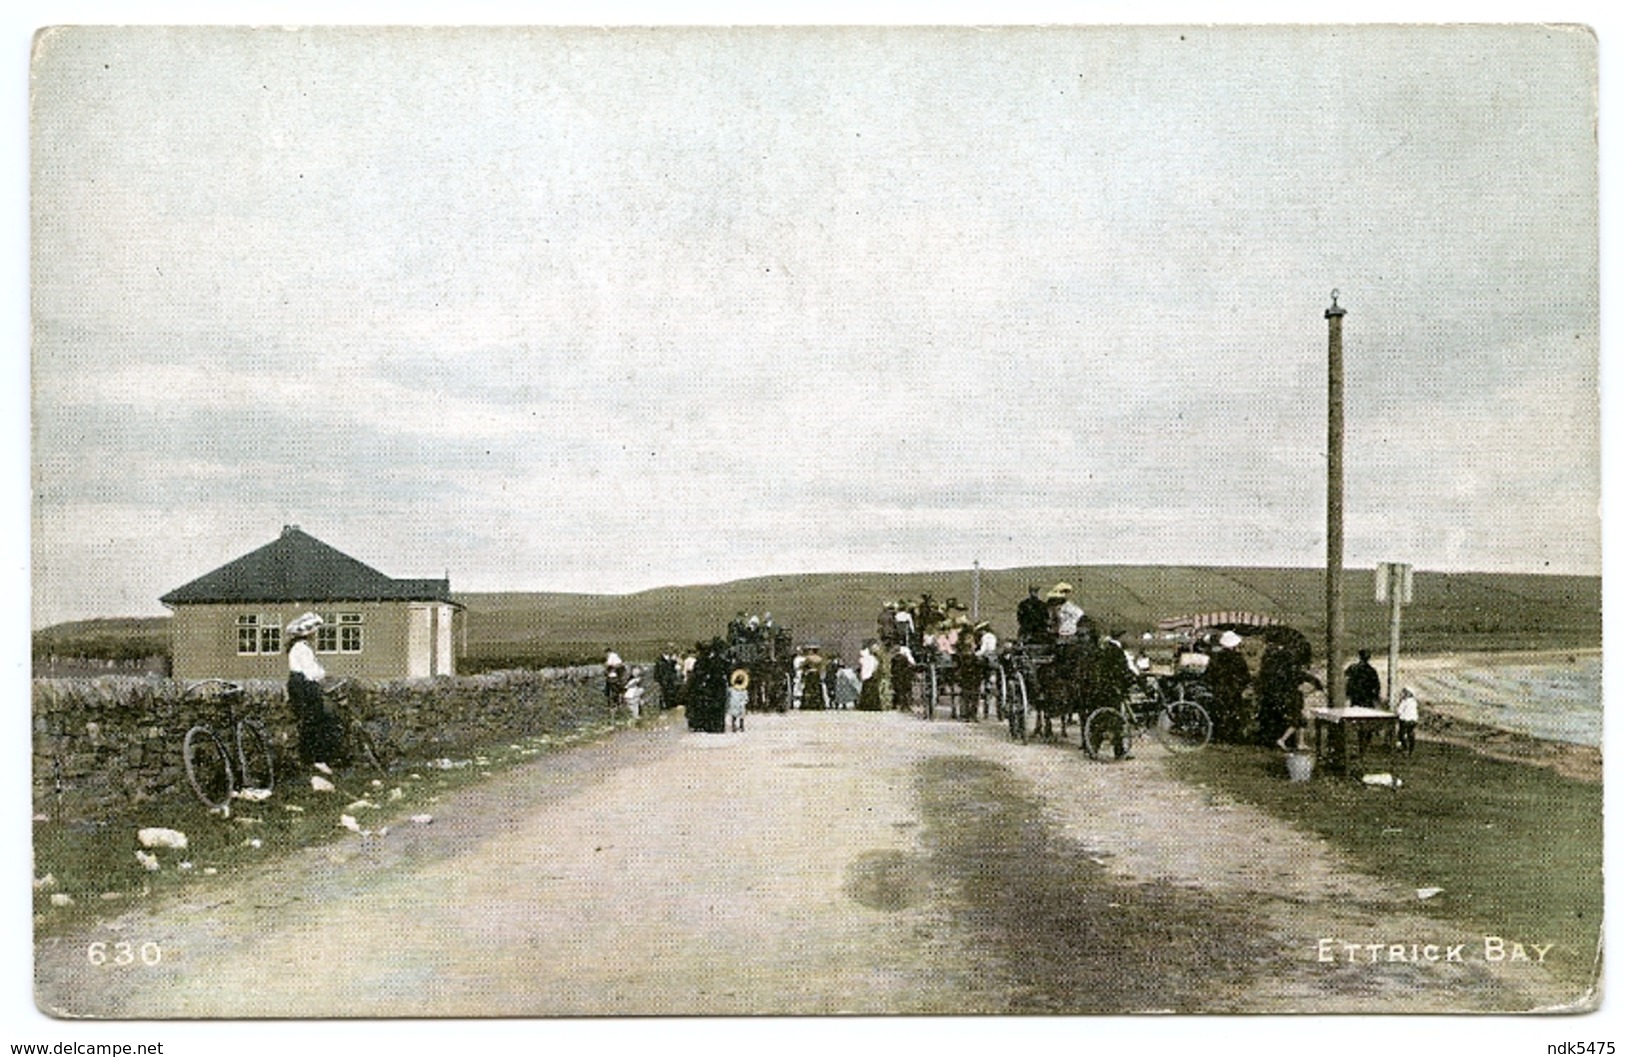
(397, 640)
(445, 653)
(419, 640)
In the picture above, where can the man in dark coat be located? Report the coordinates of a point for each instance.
(668, 676)
(1032, 617)
(1363, 688)
(1362, 685)
(1108, 679)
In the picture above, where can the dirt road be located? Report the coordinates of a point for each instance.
(818, 863)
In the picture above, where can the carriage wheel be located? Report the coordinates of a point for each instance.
(1184, 726)
(1106, 735)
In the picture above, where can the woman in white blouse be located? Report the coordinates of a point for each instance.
(305, 674)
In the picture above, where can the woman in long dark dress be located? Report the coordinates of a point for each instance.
(1228, 677)
(708, 698)
(318, 742)
(1281, 679)
(902, 678)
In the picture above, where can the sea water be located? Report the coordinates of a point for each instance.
(1559, 701)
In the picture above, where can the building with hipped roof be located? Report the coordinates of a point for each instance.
(229, 623)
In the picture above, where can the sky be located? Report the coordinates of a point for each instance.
(600, 311)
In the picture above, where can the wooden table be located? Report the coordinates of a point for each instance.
(1352, 720)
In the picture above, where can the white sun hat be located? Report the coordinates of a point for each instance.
(1229, 640)
(304, 625)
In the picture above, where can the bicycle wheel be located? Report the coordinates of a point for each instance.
(1184, 726)
(366, 748)
(254, 762)
(1017, 708)
(208, 767)
(1106, 735)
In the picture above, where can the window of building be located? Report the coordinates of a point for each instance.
(248, 634)
(259, 633)
(327, 636)
(350, 633)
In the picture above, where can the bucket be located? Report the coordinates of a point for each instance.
(1299, 766)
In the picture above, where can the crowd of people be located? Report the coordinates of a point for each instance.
(1275, 707)
(717, 682)
(1075, 668)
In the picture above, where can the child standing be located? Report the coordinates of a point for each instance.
(1408, 710)
(738, 695)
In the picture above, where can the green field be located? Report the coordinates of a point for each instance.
(1450, 612)
(1517, 850)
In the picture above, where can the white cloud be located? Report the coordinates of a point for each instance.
(594, 309)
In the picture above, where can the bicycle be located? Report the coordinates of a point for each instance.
(369, 749)
(1180, 725)
(1019, 666)
(208, 764)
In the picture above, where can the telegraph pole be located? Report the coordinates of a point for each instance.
(1334, 504)
(976, 590)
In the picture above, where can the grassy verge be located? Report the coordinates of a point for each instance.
(1516, 849)
(94, 864)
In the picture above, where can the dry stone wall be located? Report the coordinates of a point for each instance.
(106, 743)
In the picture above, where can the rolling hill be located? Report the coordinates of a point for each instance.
(1451, 611)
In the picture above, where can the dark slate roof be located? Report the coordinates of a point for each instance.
(296, 567)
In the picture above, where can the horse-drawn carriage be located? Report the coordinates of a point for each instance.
(1111, 696)
(963, 682)
(1049, 684)
(767, 659)
(1219, 658)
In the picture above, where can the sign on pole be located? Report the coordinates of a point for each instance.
(1391, 575)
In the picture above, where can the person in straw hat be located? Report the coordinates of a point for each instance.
(738, 696)
(319, 741)
(1065, 614)
(1229, 677)
(1074, 642)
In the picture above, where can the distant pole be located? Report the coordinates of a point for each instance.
(1334, 504)
(1394, 602)
(976, 590)
(1393, 587)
